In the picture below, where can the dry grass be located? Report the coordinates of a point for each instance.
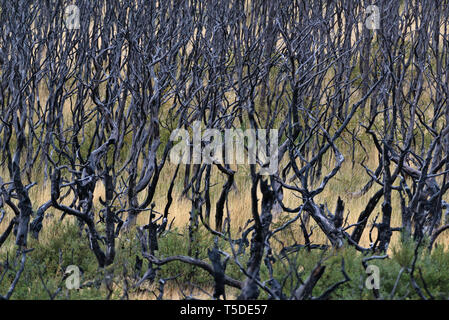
(346, 181)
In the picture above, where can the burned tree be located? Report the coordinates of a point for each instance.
(91, 112)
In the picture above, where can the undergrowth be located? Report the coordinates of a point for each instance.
(62, 245)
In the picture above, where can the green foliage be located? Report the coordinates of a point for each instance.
(62, 245)
(433, 267)
(403, 253)
(176, 243)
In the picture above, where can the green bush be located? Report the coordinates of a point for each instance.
(62, 245)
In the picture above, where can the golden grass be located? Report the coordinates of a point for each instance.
(346, 181)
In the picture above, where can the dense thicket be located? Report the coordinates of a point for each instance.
(96, 104)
